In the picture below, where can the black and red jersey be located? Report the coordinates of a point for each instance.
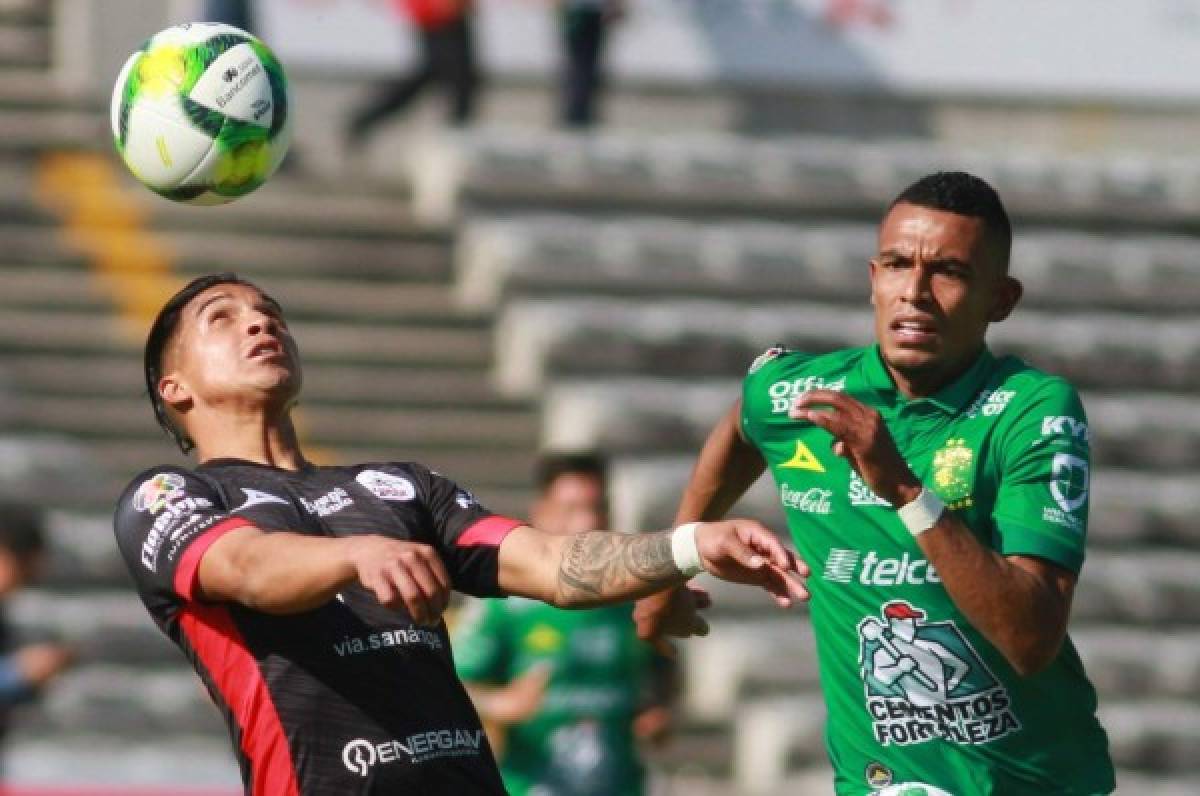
(349, 698)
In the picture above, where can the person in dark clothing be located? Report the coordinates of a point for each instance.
(27, 668)
(239, 13)
(309, 598)
(585, 28)
(447, 56)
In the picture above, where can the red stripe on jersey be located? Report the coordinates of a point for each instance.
(185, 573)
(489, 531)
(235, 674)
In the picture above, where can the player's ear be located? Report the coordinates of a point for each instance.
(1008, 293)
(175, 393)
(872, 267)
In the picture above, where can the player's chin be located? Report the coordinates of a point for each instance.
(916, 357)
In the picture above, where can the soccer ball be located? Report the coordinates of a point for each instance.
(200, 113)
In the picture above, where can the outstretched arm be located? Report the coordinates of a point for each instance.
(599, 567)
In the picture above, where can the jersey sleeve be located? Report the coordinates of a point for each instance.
(165, 521)
(466, 535)
(1041, 505)
(481, 642)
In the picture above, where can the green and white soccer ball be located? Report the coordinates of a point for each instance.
(200, 113)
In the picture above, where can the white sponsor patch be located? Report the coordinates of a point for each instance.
(861, 495)
(990, 403)
(782, 393)
(811, 501)
(360, 755)
(1069, 481)
(1063, 426)
(330, 503)
(175, 521)
(386, 486)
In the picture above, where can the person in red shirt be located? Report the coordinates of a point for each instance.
(447, 55)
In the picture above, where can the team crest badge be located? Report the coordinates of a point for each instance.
(386, 486)
(159, 491)
(952, 476)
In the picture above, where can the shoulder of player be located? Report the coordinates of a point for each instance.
(166, 473)
(778, 360)
(1039, 405)
(1030, 385)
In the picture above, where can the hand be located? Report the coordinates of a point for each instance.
(41, 663)
(861, 437)
(520, 700)
(402, 575)
(674, 612)
(743, 551)
(653, 725)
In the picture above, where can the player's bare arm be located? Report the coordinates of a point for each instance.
(285, 573)
(600, 567)
(1020, 603)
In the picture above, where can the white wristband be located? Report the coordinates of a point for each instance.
(684, 551)
(921, 514)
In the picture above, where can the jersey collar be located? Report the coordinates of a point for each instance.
(951, 399)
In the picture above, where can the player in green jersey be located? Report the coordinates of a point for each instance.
(940, 495)
(571, 692)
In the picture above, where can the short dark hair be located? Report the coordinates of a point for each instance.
(964, 194)
(551, 466)
(162, 331)
(21, 530)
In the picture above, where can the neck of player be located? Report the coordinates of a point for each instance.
(262, 437)
(924, 382)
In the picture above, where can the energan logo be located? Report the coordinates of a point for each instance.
(358, 756)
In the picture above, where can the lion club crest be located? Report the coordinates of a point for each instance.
(386, 486)
(952, 473)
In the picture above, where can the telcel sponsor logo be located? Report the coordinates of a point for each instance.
(782, 392)
(842, 566)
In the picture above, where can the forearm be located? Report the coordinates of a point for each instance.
(1018, 610)
(726, 467)
(598, 568)
(278, 573)
(586, 569)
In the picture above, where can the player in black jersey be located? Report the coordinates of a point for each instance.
(309, 598)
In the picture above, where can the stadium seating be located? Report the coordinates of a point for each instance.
(587, 291)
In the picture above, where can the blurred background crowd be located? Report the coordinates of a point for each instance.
(514, 226)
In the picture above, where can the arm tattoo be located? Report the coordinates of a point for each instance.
(599, 567)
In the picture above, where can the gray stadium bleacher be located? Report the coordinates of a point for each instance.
(603, 291)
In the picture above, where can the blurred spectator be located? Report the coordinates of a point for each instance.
(566, 695)
(24, 669)
(447, 56)
(239, 13)
(585, 25)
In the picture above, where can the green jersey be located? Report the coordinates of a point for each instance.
(581, 742)
(915, 694)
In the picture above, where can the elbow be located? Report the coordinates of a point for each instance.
(1031, 656)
